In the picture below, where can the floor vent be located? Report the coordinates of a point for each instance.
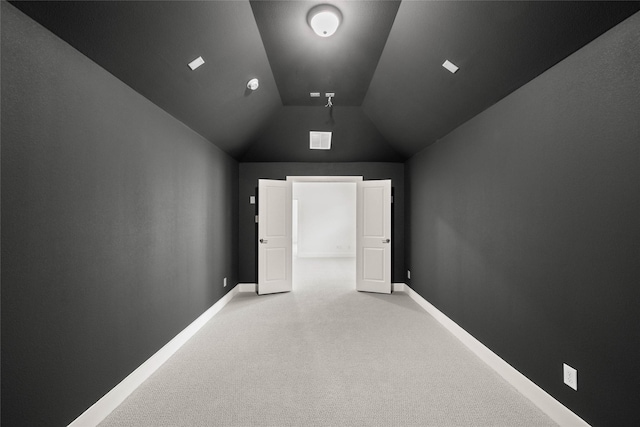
(319, 140)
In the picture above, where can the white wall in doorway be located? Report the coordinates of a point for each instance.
(326, 219)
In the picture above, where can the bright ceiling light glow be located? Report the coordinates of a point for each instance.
(324, 20)
(325, 24)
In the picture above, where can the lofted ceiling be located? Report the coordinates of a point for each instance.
(392, 96)
(343, 64)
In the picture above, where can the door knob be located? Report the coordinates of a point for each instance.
(386, 241)
(263, 240)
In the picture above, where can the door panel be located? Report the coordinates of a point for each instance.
(276, 261)
(274, 236)
(373, 238)
(373, 264)
(372, 219)
(275, 201)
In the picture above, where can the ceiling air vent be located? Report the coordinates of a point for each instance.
(319, 140)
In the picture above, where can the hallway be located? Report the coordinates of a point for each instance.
(325, 355)
(129, 203)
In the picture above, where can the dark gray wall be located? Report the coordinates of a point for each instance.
(354, 137)
(118, 226)
(523, 227)
(251, 172)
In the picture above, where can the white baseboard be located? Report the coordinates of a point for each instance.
(398, 287)
(110, 401)
(547, 403)
(247, 287)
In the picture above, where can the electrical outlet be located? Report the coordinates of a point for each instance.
(408, 274)
(570, 376)
(224, 283)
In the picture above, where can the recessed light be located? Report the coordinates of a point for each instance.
(196, 63)
(450, 66)
(253, 84)
(314, 94)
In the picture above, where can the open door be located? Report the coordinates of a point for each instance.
(274, 236)
(373, 237)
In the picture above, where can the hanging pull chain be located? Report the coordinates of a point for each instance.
(329, 103)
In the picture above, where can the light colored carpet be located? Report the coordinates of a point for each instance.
(325, 355)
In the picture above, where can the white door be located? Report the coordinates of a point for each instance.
(274, 236)
(373, 237)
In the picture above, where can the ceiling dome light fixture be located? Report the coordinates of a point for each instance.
(324, 19)
(253, 84)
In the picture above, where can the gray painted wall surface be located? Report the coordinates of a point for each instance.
(251, 172)
(523, 227)
(354, 137)
(118, 226)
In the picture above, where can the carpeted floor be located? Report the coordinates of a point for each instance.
(325, 355)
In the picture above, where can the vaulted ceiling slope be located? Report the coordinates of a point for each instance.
(149, 44)
(499, 46)
(392, 96)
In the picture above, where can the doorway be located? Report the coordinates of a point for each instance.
(324, 235)
(275, 240)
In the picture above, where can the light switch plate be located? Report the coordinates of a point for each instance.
(570, 376)
(252, 200)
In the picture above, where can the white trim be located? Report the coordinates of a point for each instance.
(547, 403)
(398, 287)
(247, 287)
(328, 178)
(326, 254)
(110, 401)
